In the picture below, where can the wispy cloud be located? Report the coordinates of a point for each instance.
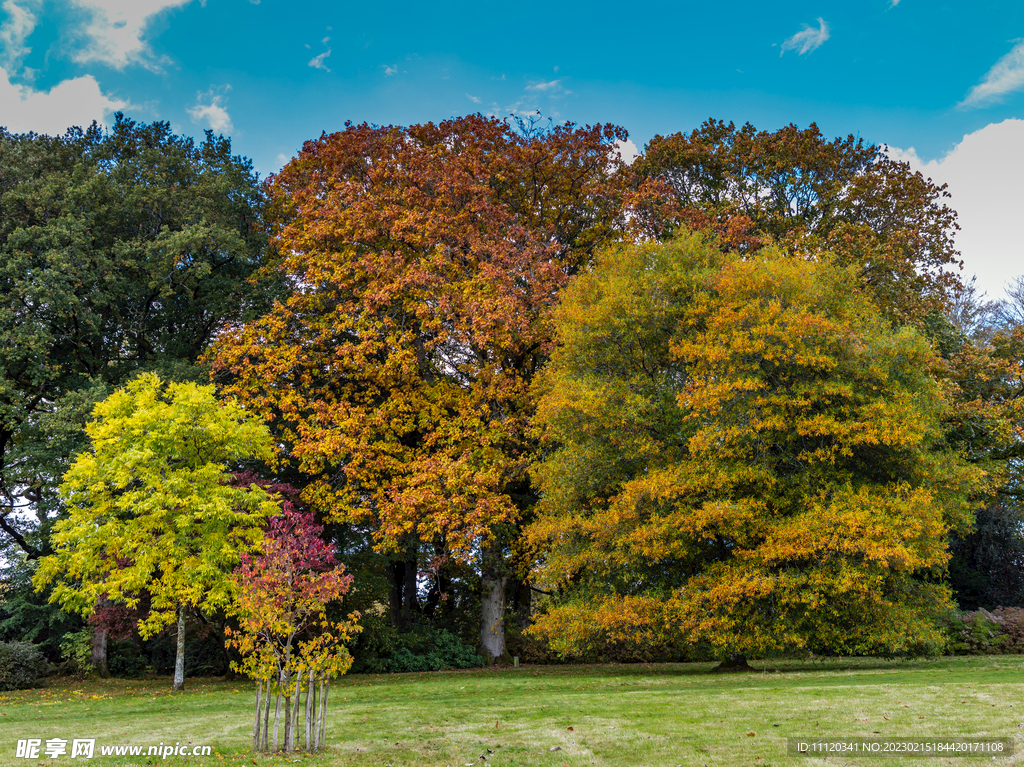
(114, 29)
(474, 99)
(552, 88)
(1002, 79)
(893, 3)
(390, 69)
(73, 102)
(19, 24)
(317, 62)
(807, 39)
(209, 110)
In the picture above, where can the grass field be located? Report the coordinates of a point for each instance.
(673, 714)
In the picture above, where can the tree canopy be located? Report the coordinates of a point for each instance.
(120, 250)
(743, 454)
(152, 511)
(424, 261)
(795, 187)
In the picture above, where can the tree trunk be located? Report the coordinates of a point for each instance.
(259, 714)
(310, 711)
(277, 717)
(296, 695)
(523, 604)
(395, 593)
(492, 605)
(735, 662)
(325, 688)
(99, 652)
(409, 593)
(179, 658)
(266, 716)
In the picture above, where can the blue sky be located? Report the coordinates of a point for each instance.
(940, 82)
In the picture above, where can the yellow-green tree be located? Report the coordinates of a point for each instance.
(152, 510)
(742, 453)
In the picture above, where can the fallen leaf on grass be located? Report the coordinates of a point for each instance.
(555, 748)
(751, 734)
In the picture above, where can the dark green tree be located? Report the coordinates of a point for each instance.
(120, 250)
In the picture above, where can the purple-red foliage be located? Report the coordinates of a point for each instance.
(120, 621)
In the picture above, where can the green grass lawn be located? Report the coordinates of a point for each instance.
(672, 714)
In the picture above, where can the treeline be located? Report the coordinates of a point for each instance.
(731, 398)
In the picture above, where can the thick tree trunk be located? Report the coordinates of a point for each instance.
(523, 604)
(402, 595)
(735, 662)
(492, 607)
(179, 658)
(99, 652)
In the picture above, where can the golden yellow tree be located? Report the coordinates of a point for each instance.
(742, 452)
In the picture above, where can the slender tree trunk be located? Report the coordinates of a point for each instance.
(277, 717)
(259, 713)
(395, 593)
(179, 658)
(99, 652)
(296, 695)
(325, 688)
(310, 711)
(409, 593)
(266, 716)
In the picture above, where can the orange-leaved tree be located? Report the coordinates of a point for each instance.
(742, 453)
(424, 261)
(795, 187)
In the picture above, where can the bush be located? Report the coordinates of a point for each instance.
(975, 633)
(380, 649)
(22, 665)
(1012, 627)
(76, 652)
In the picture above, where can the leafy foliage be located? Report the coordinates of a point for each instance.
(284, 631)
(119, 251)
(22, 665)
(743, 453)
(795, 187)
(423, 262)
(151, 509)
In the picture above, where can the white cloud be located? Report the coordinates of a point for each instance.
(1006, 76)
(72, 102)
(390, 69)
(212, 114)
(807, 39)
(317, 62)
(474, 99)
(114, 30)
(984, 173)
(14, 33)
(627, 151)
(554, 85)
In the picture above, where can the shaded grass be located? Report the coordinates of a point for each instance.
(609, 715)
